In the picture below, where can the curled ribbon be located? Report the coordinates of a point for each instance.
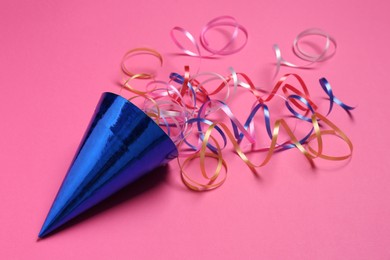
(139, 51)
(227, 49)
(324, 54)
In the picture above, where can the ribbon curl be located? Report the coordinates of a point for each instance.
(227, 49)
(324, 54)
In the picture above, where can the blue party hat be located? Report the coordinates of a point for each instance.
(120, 145)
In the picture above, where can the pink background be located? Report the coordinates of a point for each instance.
(56, 59)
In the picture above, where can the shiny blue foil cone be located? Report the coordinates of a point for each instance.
(120, 145)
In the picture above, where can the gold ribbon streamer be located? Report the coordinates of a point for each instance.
(137, 51)
(202, 154)
(310, 153)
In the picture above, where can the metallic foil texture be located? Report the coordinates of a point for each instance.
(120, 145)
